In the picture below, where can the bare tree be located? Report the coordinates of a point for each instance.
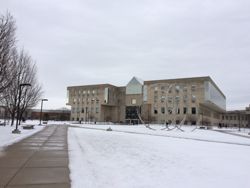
(26, 73)
(7, 51)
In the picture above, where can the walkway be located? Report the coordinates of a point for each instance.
(40, 161)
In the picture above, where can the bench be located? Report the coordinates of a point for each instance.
(2, 123)
(28, 127)
(45, 122)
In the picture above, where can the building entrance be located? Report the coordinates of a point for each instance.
(132, 114)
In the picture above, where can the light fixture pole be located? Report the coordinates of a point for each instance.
(18, 106)
(239, 119)
(41, 111)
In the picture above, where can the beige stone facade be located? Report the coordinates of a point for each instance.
(236, 118)
(182, 101)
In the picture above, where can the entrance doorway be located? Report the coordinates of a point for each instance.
(132, 114)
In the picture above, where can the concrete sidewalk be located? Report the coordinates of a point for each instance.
(40, 161)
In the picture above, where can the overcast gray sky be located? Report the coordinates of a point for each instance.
(78, 42)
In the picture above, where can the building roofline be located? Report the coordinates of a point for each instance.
(203, 78)
(94, 85)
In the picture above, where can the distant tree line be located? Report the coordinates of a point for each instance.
(16, 68)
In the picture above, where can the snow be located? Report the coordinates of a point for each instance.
(8, 138)
(189, 132)
(120, 159)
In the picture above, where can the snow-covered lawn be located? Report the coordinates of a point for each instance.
(118, 159)
(7, 138)
(189, 132)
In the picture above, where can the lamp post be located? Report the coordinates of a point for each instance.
(42, 110)
(238, 119)
(202, 118)
(18, 106)
(91, 109)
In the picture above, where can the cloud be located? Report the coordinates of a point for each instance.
(92, 41)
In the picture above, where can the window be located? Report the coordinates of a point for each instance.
(193, 87)
(193, 98)
(185, 88)
(170, 111)
(155, 98)
(177, 88)
(162, 88)
(185, 110)
(156, 88)
(162, 110)
(177, 98)
(178, 111)
(155, 111)
(162, 98)
(97, 110)
(185, 98)
(169, 99)
(82, 110)
(193, 110)
(193, 122)
(133, 101)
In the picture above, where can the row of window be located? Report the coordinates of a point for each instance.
(177, 88)
(84, 92)
(85, 110)
(170, 99)
(234, 117)
(87, 100)
(178, 111)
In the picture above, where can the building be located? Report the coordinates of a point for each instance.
(236, 118)
(56, 115)
(195, 100)
(3, 112)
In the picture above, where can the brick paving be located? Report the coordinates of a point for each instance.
(39, 161)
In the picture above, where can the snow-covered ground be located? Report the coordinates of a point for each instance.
(120, 159)
(7, 138)
(189, 132)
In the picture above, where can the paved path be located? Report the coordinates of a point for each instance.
(40, 161)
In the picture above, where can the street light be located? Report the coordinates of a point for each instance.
(201, 118)
(238, 112)
(42, 110)
(18, 106)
